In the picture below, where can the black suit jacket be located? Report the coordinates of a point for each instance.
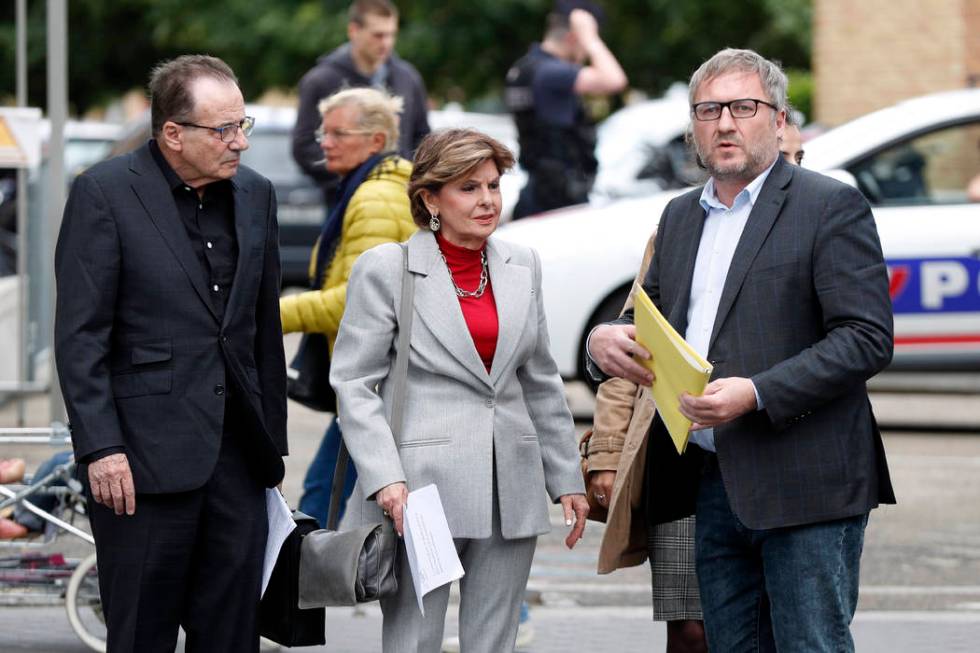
(805, 313)
(143, 360)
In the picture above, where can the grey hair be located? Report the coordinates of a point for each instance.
(377, 111)
(731, 60)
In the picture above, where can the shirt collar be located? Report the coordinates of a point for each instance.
(709, 199)
(174, 182)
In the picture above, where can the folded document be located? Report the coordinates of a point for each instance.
(677, 367)
(431, 551)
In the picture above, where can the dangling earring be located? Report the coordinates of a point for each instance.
(434, 222)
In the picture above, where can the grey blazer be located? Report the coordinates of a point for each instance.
(468, 431)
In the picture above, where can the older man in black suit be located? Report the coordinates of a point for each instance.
(169, 349)
(775, 274)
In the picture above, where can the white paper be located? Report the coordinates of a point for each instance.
(281, 524)
(431, 552)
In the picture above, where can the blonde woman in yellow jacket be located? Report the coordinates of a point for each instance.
(358, 136)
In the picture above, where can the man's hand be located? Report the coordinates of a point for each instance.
(613, 347)
(723, 400)
(576, 507)
(392, 499)
(583, 25)
(112, 483)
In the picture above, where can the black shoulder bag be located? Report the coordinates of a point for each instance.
(359, 565)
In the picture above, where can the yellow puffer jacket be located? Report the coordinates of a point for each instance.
(377, 213)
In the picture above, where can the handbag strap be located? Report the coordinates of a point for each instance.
(399, 378)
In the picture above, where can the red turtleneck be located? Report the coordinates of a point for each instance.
(480, 313)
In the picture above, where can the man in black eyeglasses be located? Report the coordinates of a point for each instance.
(775, 275)
(169, 351)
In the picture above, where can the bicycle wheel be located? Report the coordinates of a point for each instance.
(84, 606)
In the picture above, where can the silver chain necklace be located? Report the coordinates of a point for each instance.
(484, 276)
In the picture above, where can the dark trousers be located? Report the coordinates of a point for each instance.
(782, 589)
(190, 559)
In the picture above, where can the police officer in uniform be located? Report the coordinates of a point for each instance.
(543, 91)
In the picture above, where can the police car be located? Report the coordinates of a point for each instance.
(913, 161)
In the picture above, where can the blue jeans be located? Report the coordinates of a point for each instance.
(809, 572)
(319, 478)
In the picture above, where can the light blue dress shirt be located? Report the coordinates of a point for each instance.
(723, 228)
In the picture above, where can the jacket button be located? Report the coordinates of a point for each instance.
(489, 403)
(224, 338)
(219, 389)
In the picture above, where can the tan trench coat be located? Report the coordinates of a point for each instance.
(623, 414)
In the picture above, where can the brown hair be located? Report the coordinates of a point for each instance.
(446, 155)
(361, 8)
(170, 86)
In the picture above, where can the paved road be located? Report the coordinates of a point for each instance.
(920, 577)
(557, 630)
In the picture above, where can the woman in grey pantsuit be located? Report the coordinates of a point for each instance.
(485, 413)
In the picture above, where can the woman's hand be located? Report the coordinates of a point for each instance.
(601, 484)
(575, 506)
(392, 499)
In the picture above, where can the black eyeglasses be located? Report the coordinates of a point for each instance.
(744, 108)
(227, 133)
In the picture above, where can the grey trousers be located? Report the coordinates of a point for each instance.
(490, 599)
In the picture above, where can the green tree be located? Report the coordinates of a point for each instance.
(463, 48)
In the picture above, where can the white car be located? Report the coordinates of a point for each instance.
(913, 161)
(641, 149)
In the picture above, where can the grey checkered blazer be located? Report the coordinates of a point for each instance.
(804, 313)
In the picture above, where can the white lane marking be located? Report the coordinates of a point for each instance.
(914, 590)
(944, 616)
(600, 587)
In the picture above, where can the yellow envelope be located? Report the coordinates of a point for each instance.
(677, 367)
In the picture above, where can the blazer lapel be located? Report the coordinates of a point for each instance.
(158, 202)
(757, 228)
(688, 240)
(438, 307)
(243, 232)
(512, 293)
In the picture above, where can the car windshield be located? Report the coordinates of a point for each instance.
(268, 153)
(81, 153)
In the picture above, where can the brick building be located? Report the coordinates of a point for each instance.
(868, 54)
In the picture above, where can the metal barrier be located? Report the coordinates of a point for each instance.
(56, 435)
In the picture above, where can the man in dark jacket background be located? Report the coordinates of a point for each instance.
(367, 59)
(544, 92)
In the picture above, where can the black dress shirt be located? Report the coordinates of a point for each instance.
(209, 219)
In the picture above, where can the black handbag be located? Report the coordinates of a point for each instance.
(311, 384)
(360, 565)
(280, 617)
